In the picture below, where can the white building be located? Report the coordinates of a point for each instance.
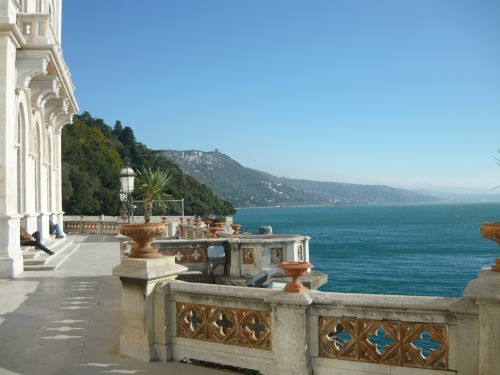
(36, 101)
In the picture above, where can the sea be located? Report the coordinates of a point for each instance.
(427, 250)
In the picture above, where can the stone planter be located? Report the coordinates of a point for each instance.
(295, 270)
(143, 235)
(236, 228)
(213, 231)
(491, 231)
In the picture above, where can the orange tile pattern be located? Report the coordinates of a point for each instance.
(224, 325)
(394, 343)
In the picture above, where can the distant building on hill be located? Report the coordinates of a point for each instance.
(36, 101)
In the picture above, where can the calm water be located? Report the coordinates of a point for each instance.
(429, 250)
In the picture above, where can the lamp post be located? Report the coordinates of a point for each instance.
(127, 176)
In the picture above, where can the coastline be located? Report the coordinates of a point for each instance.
(441, 202)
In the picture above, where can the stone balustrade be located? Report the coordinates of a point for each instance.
(327, 333)
(37, 29)
(108, 225)
(99, 227)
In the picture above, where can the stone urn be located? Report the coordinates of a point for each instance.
(491, 231)
(236, 228)
(143, 235)
(295, 270)
(213, 231)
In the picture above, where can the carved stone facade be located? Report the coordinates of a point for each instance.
(224, 325)
(36, 102)
(395, 343)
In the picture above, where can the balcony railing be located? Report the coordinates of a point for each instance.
(37, 29)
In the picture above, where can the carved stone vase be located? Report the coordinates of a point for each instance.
(491, 231)
(236, 228)
(213, 231)
(143, 235)
(295, 270)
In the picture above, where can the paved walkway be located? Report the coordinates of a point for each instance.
(67, 321)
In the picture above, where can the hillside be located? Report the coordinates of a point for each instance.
(93, 154)
(246, 187)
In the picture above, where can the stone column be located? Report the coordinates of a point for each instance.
(11, 263)
(139, 278)
(57, 207)
(486, 291)
(291, 333)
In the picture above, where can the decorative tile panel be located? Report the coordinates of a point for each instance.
(224, 325)
(187, 255)
(255, 329)
(396, 343)
(248, 257)
(300, 253)
(277, 255)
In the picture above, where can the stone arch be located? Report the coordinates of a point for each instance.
(22, 130)
(37, 155)
(49, 162)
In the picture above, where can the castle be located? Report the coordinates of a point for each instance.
(36, 101)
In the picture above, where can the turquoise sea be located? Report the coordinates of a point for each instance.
(432, 250)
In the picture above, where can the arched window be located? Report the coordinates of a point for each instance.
(48, 161)
(37, 159)
(20, 159)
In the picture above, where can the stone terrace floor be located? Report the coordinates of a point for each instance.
(67, 321)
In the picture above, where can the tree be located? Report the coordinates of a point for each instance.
(93, 154)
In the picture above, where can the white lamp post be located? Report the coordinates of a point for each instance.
(127, 176)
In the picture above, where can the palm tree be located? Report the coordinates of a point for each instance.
(150, 188)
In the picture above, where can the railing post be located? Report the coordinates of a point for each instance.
(486, 291)
(101, 224)
(139, 278)
(291, 333)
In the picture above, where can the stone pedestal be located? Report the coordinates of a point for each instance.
(139, 278)
(11, 259)
(291, 331)
(486, 291)
(43, 226)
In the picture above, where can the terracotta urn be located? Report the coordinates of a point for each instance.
(164, 220)
(491, 231)
(213, 231)
(143, 235)
(295, 270)
(220, 225)
(236, 228)
(207, 223)
(189, 220)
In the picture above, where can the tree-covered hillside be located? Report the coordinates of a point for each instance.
(93, 154)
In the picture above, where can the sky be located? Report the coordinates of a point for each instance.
(398, 92)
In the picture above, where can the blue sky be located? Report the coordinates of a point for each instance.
(398, 92)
